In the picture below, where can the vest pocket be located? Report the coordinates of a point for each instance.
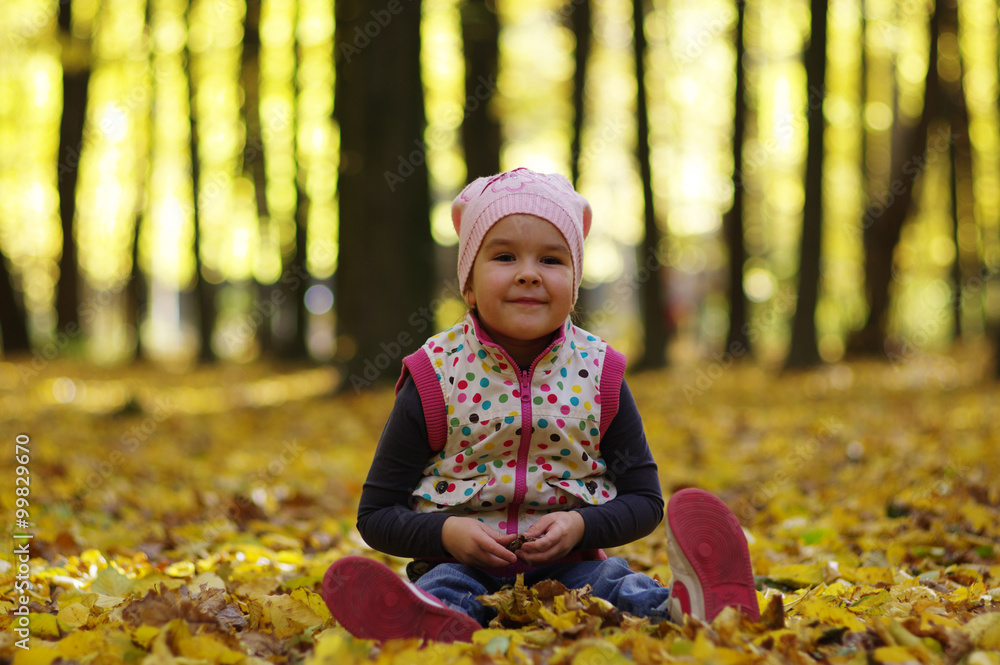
(446, 492)
(592, 490)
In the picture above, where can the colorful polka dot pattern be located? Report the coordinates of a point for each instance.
(476, 473)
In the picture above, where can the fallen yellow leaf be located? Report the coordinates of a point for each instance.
(208, 648)
(314, 602)
(984, 630)
(596, 652)
(869, 575)
(826, 609)
(109, 582)
(43, 625)
(38, 654)
(144, 635)
(797, 575)
(180, 569)
(74, 615)
(289, 616)
(872, 604)
(895, 655)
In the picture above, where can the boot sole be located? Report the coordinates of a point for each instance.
(372, 602)
(708, 554)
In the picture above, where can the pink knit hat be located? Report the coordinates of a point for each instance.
(550, 196)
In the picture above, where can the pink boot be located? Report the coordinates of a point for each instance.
(708, 557)
(372, 602)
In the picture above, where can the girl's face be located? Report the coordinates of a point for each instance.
(522, 284)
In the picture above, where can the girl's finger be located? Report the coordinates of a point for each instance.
(537, 530)
(541, 544)
(500, 552)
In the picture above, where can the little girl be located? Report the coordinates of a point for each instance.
(515, 446)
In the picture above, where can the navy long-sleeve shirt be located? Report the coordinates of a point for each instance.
(389, 524)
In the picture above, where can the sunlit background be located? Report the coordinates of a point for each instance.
(160, 67)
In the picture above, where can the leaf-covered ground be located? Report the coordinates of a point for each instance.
(189, 518)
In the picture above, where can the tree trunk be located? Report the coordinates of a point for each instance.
(863, 96)
(956, 266)
(732, 222)
(253, 151)
(292, 344)
(76, 78)
(804, 351)
(884, 217)
(13, 323)
(135, 292)
(580, 25)
(204, 292)
(480, 129)
(651, 288)
(385, 270)
(996, 353)
(955, 110)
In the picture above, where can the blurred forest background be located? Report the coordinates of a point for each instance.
(216, 213)
(794, 181)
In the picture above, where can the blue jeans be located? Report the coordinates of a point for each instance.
(457, 586)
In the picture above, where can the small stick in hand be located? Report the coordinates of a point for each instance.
(515, 544)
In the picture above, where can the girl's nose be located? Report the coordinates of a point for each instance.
(527, 277)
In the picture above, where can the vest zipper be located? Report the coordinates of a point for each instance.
(524, 446)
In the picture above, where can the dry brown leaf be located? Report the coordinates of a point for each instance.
(210, 609)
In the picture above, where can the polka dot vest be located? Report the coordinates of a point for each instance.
(514, 444)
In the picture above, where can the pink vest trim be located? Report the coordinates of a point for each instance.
(418, 365)
(612, 374)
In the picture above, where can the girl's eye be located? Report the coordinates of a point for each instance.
(551, 260)
(504, 257)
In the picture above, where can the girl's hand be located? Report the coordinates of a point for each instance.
(475, 544)
(556, 534)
